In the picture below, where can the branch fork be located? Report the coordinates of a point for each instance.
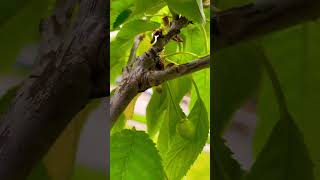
(145, 71)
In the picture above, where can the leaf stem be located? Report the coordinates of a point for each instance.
(276, 85)
(174, 103)
(203, 30)
(196, 87)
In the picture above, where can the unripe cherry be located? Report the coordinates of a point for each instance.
(186, 129)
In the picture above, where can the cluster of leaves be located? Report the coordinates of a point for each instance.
(173, 139)
(284, 145)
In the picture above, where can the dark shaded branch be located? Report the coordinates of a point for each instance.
(64, 10)
(52, 95)
(254, 20)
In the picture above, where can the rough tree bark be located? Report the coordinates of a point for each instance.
(72, 68)
(144, 72)
(247, 22)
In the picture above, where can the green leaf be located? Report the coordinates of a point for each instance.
(202, 79)
(117, 7)
(224, 166)
(39, 172)
(59, 160)
(285, 156)
(120, 47)
(236, 77)
(82, 172)
(179, 87)
(168, 126)
(144, 46)
(119, 53)
(133, 28)
(194, 40)
(171, 47)
(169, 118)
(133, 155)
(129, 111)
(155, 109)
(123, 16)
(147, 6)
(11, 8)
(119, 124)
(294, 54)
(127, 114)
(191, 9)
(183, 152)
(201, 168)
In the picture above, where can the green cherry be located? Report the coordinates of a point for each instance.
(186, 129)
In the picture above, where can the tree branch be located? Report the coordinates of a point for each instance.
(51, 96)
(64, 10)
(254, 20)
(140, 82)
(135, 79)
(133, 52)
(155, 78)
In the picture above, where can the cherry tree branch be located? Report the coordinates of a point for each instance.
(144, 72)
(254, 20)
(156, 78)
(54, 93)
(135, 78)
(141, 82)
(133, 52)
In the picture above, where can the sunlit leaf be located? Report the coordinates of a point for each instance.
(147, 6)
(133, 28)
(183, 152)
(119, 124)
(118, 12)
(192, 9)
(155, 109)
(128, 112)
(178, 87)
(134, 156)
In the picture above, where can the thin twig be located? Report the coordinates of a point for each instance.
(133, 52)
